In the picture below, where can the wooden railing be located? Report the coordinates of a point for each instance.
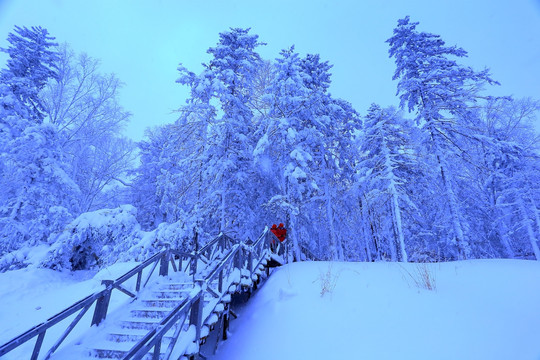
(214, 282)
(101, 300)
(213, 286)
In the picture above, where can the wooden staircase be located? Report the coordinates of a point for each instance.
(169, 316)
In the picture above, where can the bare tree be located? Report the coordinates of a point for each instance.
(83, 104)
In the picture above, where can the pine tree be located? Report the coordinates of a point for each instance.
(381, 156)
(218, 119)
(441, 91)
(32, 62)
(303, 141)
(38, 194)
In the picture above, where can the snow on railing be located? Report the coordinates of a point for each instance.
(213, 282)
(100, 298)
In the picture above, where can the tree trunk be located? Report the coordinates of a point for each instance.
(461, 244)
(397, 221)
(536, 214)
(223, 222)
(293, 235)
(364, 221)
(526, 222)
(330, 222)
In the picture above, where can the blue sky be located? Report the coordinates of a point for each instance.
(144, 41)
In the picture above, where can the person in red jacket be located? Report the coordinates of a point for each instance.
(281, 233)
(273, 243)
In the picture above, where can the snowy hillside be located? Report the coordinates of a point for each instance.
(482, 309)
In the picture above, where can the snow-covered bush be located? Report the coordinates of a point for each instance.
(23, 257)
(177, 235)
(100, 238)
(94, 239)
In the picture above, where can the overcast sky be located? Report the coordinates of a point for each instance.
(144, 41)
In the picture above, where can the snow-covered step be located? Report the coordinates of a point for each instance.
(180, 286)
(112, 349)
(168, 303)
(155, 313)
(138, 323)
(120, 353)
(134, 339)
(169, 294)
(132, 335)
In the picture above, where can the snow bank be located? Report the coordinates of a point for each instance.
(481, 309)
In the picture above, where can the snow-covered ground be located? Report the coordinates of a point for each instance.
(482, 309)
(30, 296)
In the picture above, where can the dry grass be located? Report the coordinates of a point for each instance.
(422, 276)
(328, 281)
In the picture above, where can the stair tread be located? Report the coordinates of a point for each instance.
(149, 308)
(141, 320)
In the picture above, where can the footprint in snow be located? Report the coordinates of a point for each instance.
(286, 294)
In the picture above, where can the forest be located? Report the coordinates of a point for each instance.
(451, 174)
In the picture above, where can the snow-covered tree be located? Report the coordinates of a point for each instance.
(441, 92)
(84, 105)
(508, 188)
(37, 196)
(32, 62)
(144, 189)
(383, 150)
(219, 115)
(301, 142)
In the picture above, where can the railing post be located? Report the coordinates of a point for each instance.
(102, 304)
(238, 260)
(196, 312)
(139, 278)
(250, 263)
(164, 262)
(222, 242)
(220, 282)
(37, 346)
(194, 261)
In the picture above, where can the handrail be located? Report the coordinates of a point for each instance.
(100, 297)
(151, 339)
(235, 257)
(193, 303)
(139, 267)
(262, 236)
(36, 330)
(224, 261)
(210, 243)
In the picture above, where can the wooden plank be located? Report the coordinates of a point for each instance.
(124, 290)
(66, 333)
(38, 329)
(37, 346)
(139, 277)
(151, 272)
